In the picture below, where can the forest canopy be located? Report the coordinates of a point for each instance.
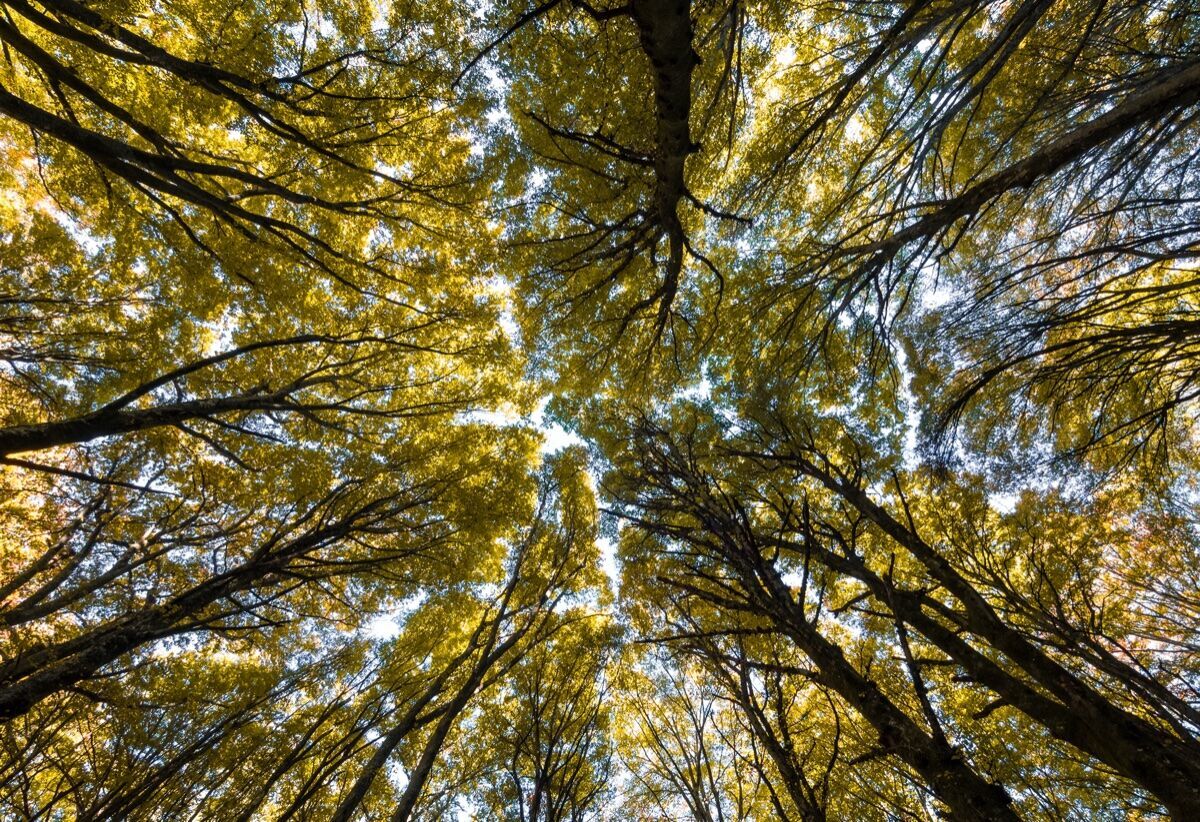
(582, 410)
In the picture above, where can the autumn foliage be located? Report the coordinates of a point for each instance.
(564, 411)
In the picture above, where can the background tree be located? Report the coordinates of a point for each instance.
(545, 737)
(1000, 188)
(680, 747)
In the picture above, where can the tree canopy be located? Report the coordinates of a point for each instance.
(584, 410)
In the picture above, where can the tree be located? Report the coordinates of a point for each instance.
(232, 429)
(550, 564)
(324, 724)
(877, 318)
(546, 734)
(680, 748)
(1002, 188)
(1035, 633)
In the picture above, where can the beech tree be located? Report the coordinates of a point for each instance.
(875, 322)
(545, 737)
(1032, 634)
